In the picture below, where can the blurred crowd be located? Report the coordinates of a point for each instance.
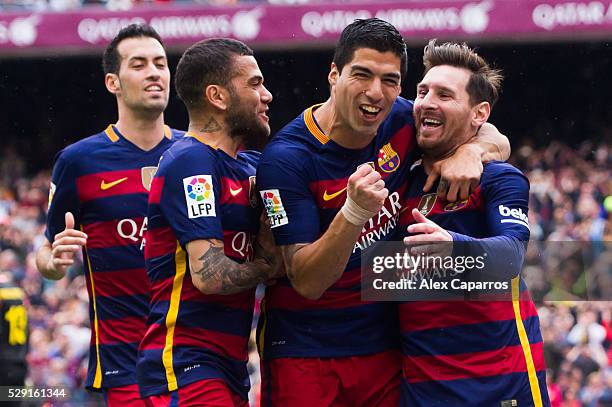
(114, 5)
(568, 262)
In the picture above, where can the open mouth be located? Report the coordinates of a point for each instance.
(429, 123)
(153, 88)
(369, 111)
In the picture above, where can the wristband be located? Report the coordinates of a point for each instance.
(354, 213)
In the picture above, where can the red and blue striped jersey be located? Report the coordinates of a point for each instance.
(198, 193)
(302, 179)
(476, 352)
(104, 181)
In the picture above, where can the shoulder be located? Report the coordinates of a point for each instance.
(496, 173)
(187, 153)
(176, 134)
(82, 150)
(250, 156)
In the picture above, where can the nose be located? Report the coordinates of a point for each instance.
(153, 72)
(266, 96)
(374, 90)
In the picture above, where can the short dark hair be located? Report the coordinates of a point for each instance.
(111, 60)
(371, 33)
(484, 84)
(208, 62)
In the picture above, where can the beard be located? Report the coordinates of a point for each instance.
(245, 125)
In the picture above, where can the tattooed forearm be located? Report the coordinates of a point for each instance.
(211, 126)
(221, 275)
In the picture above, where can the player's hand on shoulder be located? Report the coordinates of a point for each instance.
(459, 174)
(65, 245)
(367, 189)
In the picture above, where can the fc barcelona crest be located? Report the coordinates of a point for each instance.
(252, 192)
(388, 159)
(146, 175)
(427, 203)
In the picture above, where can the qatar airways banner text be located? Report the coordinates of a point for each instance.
(310, 24)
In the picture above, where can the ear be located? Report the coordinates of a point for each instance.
(481, 113)
(333, 75)
(113, 85)
(217, 96)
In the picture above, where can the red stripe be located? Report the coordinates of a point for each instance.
(238, 245)
(154, 338)
(222, 343)
(122, 282)
(123, 330)
(475, 202)
(160, 242)
(471, 365)
(234, 191)
(162, 289)
(424, 315)
(285, 297)
(90, 186)
(329, 187)
(101, 235)
(156, 190)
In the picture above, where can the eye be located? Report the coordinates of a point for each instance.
(421, 93)
(391, 82)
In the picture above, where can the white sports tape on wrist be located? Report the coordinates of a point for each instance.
(354, 213)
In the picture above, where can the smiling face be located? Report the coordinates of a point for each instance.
(444, 115)
(249, 99)
(365, 90)
(142, 83)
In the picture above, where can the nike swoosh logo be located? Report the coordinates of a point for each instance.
(104, 185)
(329, 197)
(235, 192)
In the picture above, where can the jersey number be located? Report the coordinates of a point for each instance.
(17, 318)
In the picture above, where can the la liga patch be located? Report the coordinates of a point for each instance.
(199, 196)
(274, 207)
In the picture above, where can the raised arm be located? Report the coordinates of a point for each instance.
(313, 268)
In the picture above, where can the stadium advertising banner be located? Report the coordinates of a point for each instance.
(316, 24)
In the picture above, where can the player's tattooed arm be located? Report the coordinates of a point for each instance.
(212, 272)
(493, 144)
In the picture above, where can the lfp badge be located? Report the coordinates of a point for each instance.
(274, 207)
(388, 159)
(199, 196)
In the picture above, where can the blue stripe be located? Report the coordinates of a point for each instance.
(114, 208)
(116, 258)
(483, 391)
(468, 338)
(118, 364)
(362, 330)
(122, 307)
(190, 365)
(210, 316)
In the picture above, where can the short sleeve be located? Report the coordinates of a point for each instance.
(62, 196)
(190, 195)
(283, 184)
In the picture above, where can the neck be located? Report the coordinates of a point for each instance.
(430, 156)
(336, 130)
(144, 131)
(212, 130)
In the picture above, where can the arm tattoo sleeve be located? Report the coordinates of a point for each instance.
(225, 276)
